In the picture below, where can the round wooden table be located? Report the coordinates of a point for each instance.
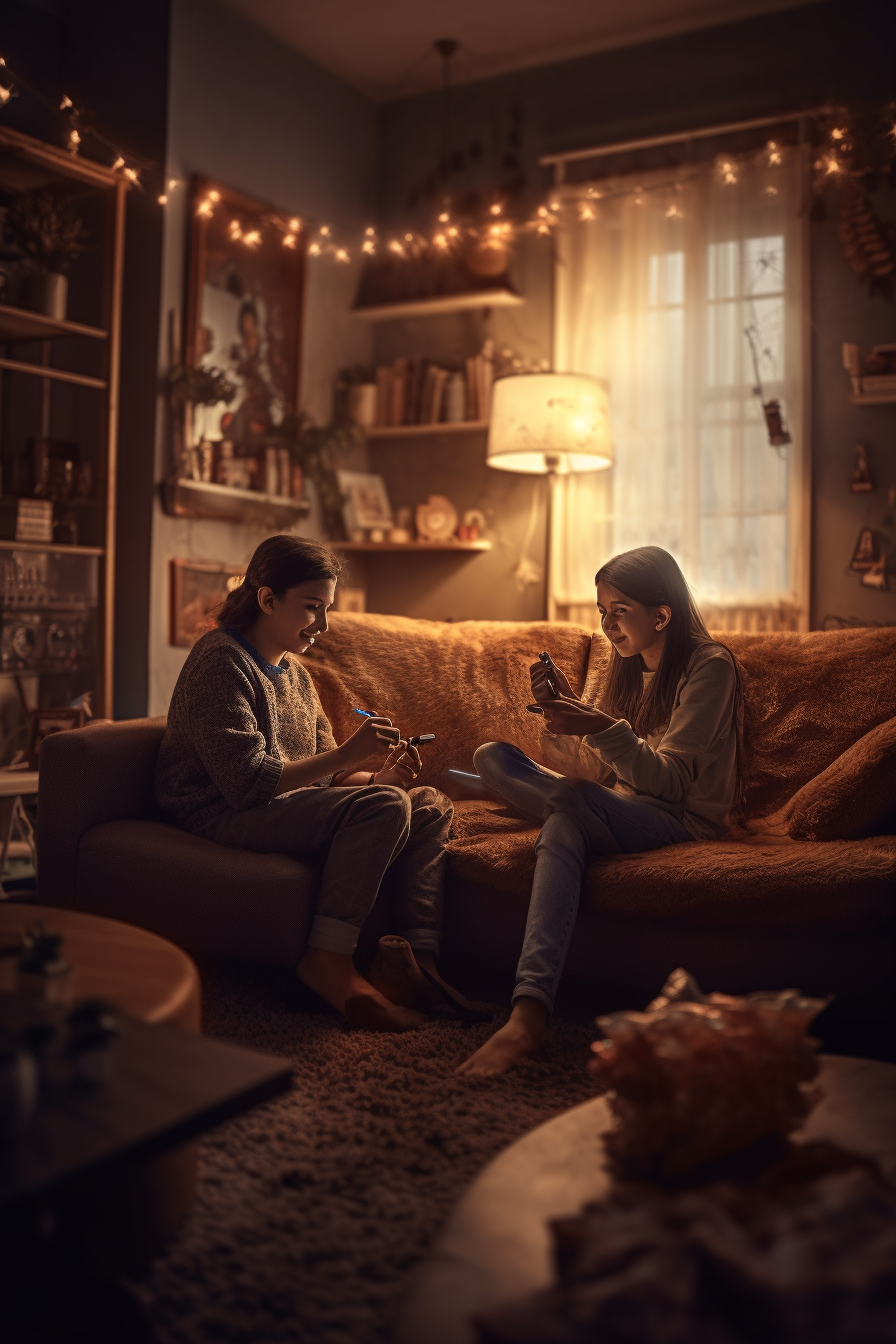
(148, 978)
(496, 1246)
(142, 974)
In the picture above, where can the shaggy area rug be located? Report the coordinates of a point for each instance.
(313, 1210)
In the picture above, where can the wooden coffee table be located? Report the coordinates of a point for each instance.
(144, 975)
(496, 1245)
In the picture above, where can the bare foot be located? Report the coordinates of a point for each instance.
(333, 976)
(520, 1037)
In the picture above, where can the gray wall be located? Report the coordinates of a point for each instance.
(245, 111)
(802, 58)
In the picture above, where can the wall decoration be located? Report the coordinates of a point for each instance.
(244, 313)
(436, 519)
(366, 501)
(197, 587)
(876, 575)
(865, 554)
(861, 481)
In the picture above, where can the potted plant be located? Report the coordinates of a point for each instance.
(49, 235)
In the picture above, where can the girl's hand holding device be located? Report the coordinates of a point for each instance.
(376, 738)
(401, 767)
(548, 682)
(568, 717)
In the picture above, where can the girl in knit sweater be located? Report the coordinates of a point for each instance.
(656, 764)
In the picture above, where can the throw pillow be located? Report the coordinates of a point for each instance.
(854, 797)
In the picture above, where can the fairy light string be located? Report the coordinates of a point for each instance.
(497, 230)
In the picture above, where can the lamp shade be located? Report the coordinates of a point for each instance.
(544, 422)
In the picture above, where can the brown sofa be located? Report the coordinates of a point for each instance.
(804, 896)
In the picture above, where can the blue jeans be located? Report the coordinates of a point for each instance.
(580, 820)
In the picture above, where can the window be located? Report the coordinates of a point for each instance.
(682, 293)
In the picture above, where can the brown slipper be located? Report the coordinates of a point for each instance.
(370, 1015)
(395, 973)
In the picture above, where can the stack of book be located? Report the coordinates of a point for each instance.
(419, 392)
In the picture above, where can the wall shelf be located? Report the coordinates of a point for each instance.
(415, 431)
(439, 304)
(873, 398)
(50, 547)
(55, 375)
(20, 324)
(416, 546)
(227, 503)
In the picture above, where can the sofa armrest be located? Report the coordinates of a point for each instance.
(104, 772)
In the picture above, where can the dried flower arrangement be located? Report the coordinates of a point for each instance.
(45, 230)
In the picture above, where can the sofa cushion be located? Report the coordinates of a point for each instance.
(854, 797)
(207, 898)
(466, 682)
(767, 886)
(807, 699)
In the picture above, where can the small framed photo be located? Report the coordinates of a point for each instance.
(351, 599)
(46, 722)
(366, 501)
(197, 588)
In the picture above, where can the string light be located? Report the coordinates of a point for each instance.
(163, 200)
(453, 232)
(673, 212)
(252, 238)
(325, 231)
(132, 175)
(65, 104)
(444, 217)
(173, 184)
(314, 249)
(495, 209)
(289, 240)
(5, 95)
(118, 164)
(396, 247)
(235, 230)
(295, 225)
(774, 154)
(586, 213)
(342, 256)
(205, 208)
(441, 242)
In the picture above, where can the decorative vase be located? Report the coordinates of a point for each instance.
(362, 404)
(46, 292)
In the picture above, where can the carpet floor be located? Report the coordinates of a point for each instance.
(314, 1209)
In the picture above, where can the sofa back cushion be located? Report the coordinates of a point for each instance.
(807, 698)
(467, 682)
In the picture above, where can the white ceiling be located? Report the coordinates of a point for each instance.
(383, 48)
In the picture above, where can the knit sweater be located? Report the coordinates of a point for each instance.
(230, 730)
(688, 768)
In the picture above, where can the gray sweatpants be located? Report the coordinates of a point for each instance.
(362, 832)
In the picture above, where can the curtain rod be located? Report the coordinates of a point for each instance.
(680, 137)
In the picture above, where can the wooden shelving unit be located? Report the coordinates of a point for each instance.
(425, 431)
(371, 547)
(227, 503)
(27, 164)
(873, 398)
(439, 305)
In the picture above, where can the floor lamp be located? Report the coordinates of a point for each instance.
(549, 424)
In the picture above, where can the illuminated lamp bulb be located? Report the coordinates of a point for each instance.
(542, 212)
(370, 233)
(314, 249)
(132, 175)
(831, 166)
(673, 212)
(289, 240)
(65, 104)
(555, 205)
(369, 246)
(409, 237)
(444, 217)
(453, 231)
(252, 238)
(163, 200)
(295, 225)
(440, 241)
(325, 231)
(396, 247)
(214, 196)
(173, 184)
(74, 140)
(342, 256)
(5, 95)
(118, 164)
(838, 133)
(234, 229)
(544, 228)
(495, 209)
(771, 191)
(205, 209)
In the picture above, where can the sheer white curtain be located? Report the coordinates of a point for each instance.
(655, 290)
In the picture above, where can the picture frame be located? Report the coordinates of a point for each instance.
(365, 501)
(196, 588)
(245, 308)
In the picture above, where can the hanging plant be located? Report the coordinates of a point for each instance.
(199, 386)
(318, 450)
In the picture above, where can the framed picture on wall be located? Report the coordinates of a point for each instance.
(366, 501)
(245, 298)
(197, 587)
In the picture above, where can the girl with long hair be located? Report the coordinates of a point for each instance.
(249, 760)
(667, 728)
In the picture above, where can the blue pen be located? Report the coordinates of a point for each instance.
(366, 713)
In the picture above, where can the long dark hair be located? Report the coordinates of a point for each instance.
(650, 575)
(279, 563)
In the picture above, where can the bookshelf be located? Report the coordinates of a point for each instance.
(415, 431)
(873, 398)
(27, 164)
(371, 547)
(439, 305)
(228, 503)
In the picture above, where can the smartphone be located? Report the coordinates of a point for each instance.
(549, 668)
(535, 709)
(421, 737)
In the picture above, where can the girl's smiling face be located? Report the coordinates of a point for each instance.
(631, 627)
(294, 620)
